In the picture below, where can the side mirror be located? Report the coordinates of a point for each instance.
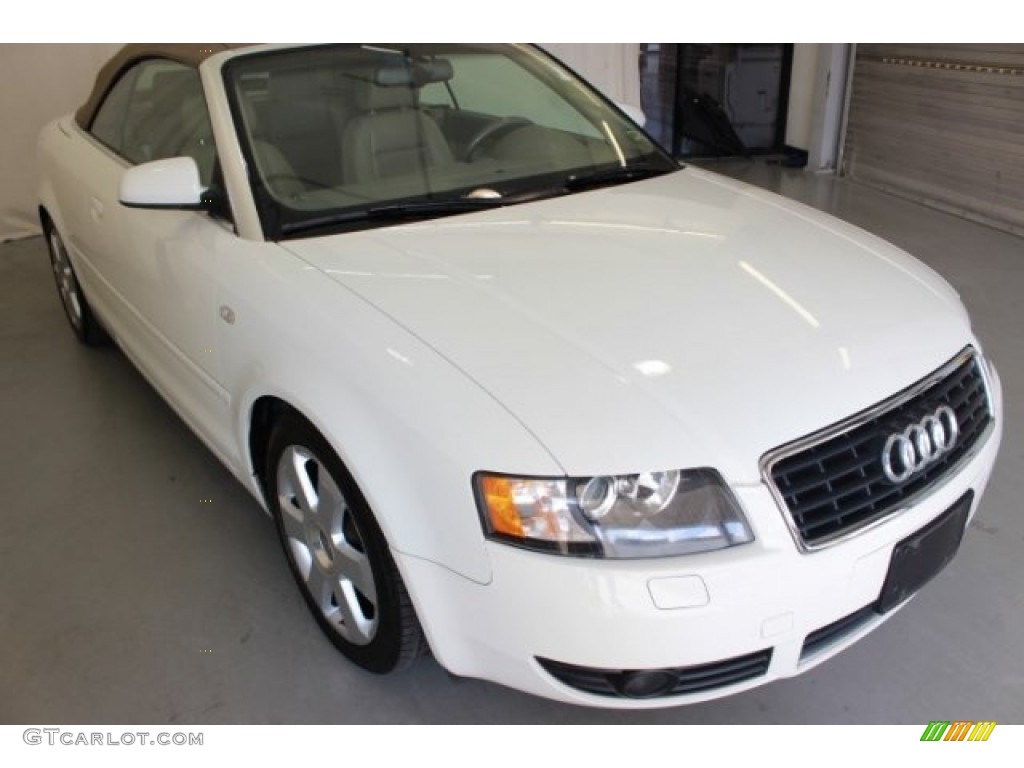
(633, 113)
(171, 184)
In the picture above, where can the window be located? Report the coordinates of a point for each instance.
(342, 137)
(496, 85)
(108, 125)
(155, 111)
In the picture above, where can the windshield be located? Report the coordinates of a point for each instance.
(349, 136)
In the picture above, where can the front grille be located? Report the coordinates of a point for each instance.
(655, 683)
(836, 485)
(836, 631)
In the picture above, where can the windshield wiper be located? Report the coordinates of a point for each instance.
(617, 175)
(395, 212)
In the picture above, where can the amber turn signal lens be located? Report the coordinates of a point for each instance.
(500, 506)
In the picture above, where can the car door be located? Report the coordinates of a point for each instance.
(161, 268)
(87, 174)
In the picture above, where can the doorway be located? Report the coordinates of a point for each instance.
(716, 99)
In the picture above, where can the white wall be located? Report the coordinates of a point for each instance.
(37, 84)
(816, 97)
(801, 95)
(829, 99)
(614, 68)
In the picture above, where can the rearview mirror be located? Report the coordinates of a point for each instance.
(163, 184)
(633, 113)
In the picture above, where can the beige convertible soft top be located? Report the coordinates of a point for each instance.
(191, 54)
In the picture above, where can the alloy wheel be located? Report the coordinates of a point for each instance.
(326, 545)
(67, 286)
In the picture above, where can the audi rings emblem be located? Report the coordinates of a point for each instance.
(910, 451)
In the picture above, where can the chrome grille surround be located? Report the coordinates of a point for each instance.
(972, 364)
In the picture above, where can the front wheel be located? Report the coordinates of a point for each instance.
(337, 552)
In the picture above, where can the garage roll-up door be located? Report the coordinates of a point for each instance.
(942, 124)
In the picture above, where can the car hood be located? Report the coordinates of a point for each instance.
(687, 320)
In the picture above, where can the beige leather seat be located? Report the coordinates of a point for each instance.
(301, 119)
(277, 173)
(391, 136)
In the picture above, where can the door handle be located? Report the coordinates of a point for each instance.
(96, 208)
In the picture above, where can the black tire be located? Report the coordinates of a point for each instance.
(322, 538)
(76, 308)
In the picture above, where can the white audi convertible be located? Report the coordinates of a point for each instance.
(516, 387)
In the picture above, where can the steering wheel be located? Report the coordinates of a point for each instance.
(491, 132)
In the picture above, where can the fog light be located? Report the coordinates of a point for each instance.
(645, 685)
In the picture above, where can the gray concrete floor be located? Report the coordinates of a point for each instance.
(126, 599)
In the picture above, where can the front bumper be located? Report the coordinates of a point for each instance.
(673, 613)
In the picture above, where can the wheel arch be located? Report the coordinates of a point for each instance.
(394, 497)
(263, 413)
(259, 417)
(46, 193)
(48, 219)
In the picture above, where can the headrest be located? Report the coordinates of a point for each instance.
(370, 98)
(295, 85)
(394, 86)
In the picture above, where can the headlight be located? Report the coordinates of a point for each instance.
(653, 514)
